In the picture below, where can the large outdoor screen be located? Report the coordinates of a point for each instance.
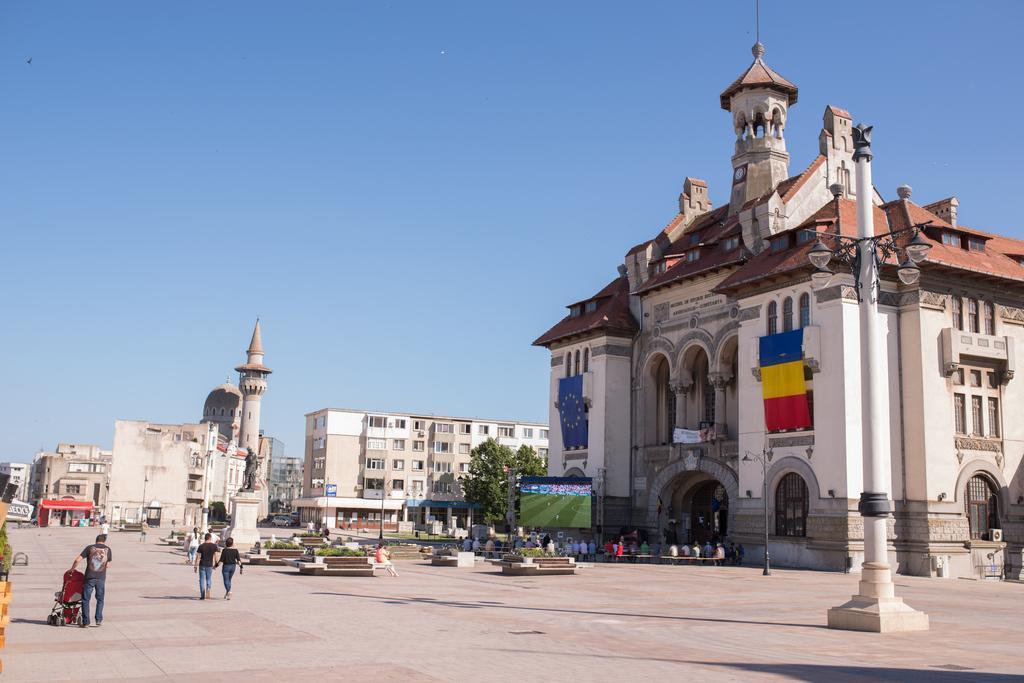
(560, 502)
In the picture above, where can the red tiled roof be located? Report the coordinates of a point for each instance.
(758, 75)
(840, 111)
(611, 315)
(836, 216)
(993, 261)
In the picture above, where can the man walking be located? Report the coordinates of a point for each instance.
(97, 558)
(206, 558)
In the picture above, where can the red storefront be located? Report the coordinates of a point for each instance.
(64, 512)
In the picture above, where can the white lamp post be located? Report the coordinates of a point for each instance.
(875, 607)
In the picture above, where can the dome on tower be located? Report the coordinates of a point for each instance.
(759, 75)
(223, 404)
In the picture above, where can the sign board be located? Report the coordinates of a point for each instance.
(639, 483)
(19, 511)
(680, 435)
(331, 490)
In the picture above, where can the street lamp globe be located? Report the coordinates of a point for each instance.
(821, 277)
(918, 248)
(908, 272)
(819, 255)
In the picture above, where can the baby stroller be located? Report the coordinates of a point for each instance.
(67, 606)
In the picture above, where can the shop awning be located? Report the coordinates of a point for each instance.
(83, 505)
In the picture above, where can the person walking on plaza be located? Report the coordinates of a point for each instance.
(383, 558)
(97, 558)
(193, 546)
(206, 558)
(229, 560)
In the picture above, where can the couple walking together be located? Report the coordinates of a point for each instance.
(209, 555)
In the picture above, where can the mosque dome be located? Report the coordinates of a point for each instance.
(223, 404)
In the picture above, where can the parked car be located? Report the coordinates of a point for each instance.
(282, 520)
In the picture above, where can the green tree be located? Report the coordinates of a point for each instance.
(487, 482)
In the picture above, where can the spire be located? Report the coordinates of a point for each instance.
(758, 75)
(256, 345)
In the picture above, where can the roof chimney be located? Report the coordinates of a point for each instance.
(904, 191)
(945, 209)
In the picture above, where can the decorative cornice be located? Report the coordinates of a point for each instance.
(929, 299)
(612, 350)
(750, 313)
(791, 441)
(1012, 314)
(844, 292)
(964, 443)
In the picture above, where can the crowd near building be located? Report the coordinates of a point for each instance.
(669, 362)
(407, 467)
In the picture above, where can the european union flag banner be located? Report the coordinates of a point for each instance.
(782, 382)
(573, 412)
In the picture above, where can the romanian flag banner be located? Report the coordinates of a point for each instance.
(782, 382)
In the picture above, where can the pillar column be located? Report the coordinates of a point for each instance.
(720, 380)
(682, 391)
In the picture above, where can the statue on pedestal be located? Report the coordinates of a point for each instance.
(252, 467)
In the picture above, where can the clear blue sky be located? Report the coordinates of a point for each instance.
(408, 193)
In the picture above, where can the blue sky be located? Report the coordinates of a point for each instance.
(408, 193)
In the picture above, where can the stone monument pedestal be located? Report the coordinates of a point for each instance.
(876, 608)
(245, 511)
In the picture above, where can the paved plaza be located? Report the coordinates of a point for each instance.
(610, 623)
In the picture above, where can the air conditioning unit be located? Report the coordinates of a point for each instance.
(420, 434)
(996, 535)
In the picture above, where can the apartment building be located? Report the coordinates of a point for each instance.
(407, 466)
(70, 484)
(19, 476)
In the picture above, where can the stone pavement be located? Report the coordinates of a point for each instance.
(611, 623)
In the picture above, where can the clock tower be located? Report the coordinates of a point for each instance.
(759, 102)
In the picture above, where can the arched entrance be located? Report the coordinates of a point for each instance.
(695, 494)
(709, 512)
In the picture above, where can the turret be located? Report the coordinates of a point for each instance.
(252, 381)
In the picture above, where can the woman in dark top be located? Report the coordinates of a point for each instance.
(230, 559)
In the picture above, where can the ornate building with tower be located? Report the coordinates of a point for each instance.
(672, 358)
(166, 473)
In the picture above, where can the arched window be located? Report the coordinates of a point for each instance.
(568, 364)
(958, 312)
(773, 318)
(805, 310)
(577, 362)
(787, 314)
(972, 315)
(222, 412)
(791, 506)
(586, 360)
(982, 507)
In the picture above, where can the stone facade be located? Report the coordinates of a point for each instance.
(704, 291)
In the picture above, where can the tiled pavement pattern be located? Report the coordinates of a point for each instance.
(610, 623)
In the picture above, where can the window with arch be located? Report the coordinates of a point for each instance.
(586, 360)
(577, 368)
(568, 364)
(787, 314)
(805, 310)
(990, 318)
(791, 506)
(982, 507)
(773, 317)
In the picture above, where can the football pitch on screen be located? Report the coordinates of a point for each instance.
(553, 510)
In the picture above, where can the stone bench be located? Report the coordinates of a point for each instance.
(333, 565)
(453, 559)
(516, 565)
(130, 527)
(273, 556)
(684, 559)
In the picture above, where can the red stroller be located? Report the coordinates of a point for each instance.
(67, 606)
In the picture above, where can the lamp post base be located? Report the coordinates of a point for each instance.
(876, 608)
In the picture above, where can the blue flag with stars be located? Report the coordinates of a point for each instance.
(573, 412)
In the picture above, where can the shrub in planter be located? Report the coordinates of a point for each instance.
(530, 552)
(281, 545)
(308, 534)
(339, 552)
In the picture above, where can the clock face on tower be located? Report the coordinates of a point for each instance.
(739, 175)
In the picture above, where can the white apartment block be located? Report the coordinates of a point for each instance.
(409, 466)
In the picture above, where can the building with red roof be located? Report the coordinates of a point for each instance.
(667, 359)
